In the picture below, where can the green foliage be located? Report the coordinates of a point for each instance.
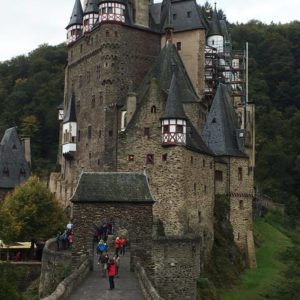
(8, 282)
(226, 263)
(33, 212)
(31, 87)
(274, 76)
(32, 292)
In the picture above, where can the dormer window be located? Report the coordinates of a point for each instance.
(188, 14)
(22, 172)
(14, 147)
(5, 172)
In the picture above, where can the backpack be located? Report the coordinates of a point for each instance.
(102, 247)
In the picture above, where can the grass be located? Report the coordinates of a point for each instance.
(255, 283)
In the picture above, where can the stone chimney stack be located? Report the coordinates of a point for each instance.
(27, 149)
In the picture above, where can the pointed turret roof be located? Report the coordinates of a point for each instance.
(174, 107)
(221, 129)
(214, 26)
(70, 115)
(77, 14)
(91, 7)
(13, 166)
(168, 23)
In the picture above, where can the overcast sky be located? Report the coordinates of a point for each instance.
(25, 24)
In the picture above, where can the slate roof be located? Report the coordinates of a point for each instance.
(180, 8)
(162, 71)
(221, 131)
(214, 25)
(112, 187)
(77, 14)
(174, 107)
(70, 115)
(91, 7)
(13, 166)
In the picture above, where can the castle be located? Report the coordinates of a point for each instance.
(155, 88)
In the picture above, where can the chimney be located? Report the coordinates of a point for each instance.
(27, 149)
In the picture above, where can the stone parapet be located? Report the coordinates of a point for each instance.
(64, 289)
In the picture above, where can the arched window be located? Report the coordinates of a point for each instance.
(153, 109)
(5, 171)
(22, 172)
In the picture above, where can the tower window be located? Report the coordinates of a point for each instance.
(241, 204)
(205, 189)
(116, 34)
(214, 120)
(199, 216)
(188, 14)
(192, 160)
(131, 157)
(22, 172)
(90, 155)
(178, 45)
(166, 129)
(78, 136)
(110, 133)
(179, 128)
(99, 134)
(153, 109)
(110, 10)
(150, 159)
(107, 33)
(218, 175)
(147, 131)
(81, 48)
(89, 132)
(195, 188)
(240, 174)
(93, 101)
(98, 162)
(164, 157)
(203, 163)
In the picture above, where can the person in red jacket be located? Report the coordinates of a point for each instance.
(118, 245)
(111, 272)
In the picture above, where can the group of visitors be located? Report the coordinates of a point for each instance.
(65, 240)
(102, 232)
(111, 266)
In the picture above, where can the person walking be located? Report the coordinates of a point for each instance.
(111, 272)
(117, 262)
(123, 242)
(102, 247)
(117, 245)
(103, 259)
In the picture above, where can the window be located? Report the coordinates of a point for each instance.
(153, 109)
(14, 147)
(218, 175)
(188, 14)
(80, 81)
(150, 159)
(164, 157)
(99, 134)
(90, 155)
(147, 131)
(203, 163)
(101, 98)
(241, 204)
(107, 33)
(240, 174)
(192, 160)
(174, 16)
(205, 189)
(98, 162)
(110, 10)
(238, 236)
(199, 216)
(110, 133)
(195, 188)
(116, 34)
(93, 101)
(5, 171)
(103, 10)
(81, 48)
(89, 132)
(78, 136)
(178, 46)
(166, 129)
(130, 157)
(78, 105)
(214, 120)
(98, 72)
(210, 165)
(179, 128)
(22, 172)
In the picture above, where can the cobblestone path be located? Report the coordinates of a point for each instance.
(96, 287)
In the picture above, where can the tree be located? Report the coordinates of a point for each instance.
(33, 211)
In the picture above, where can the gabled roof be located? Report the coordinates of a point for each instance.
(70, 115)
(162, 71)
(112, 187)
(91, 7)
(221, 129)
(13, 166)
(174, 107)
(77, 15)
(181, 20)
(214, 25)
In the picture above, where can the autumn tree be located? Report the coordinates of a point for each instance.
(32, 212)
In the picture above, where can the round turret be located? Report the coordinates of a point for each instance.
(91, 15)
(112, 11)
(74, 28)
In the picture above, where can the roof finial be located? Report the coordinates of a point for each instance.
(215, 6)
